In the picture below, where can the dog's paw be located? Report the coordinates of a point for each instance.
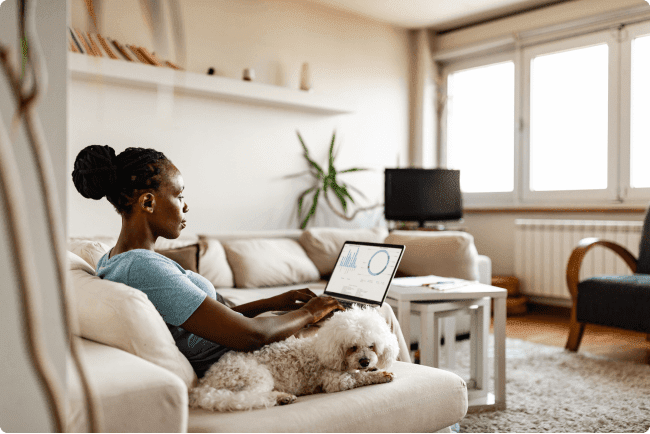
(385, 377)
(285, 398)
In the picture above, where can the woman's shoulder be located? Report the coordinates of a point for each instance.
(141, 258)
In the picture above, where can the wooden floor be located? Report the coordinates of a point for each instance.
(550, 326)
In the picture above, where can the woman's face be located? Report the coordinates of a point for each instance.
(168, 217)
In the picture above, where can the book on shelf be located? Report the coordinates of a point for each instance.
(122, 50)
(75, 41)
(138, 55)
(107, 49)
(149, 57)
(82, 41)
(93, 46)
(173, 65)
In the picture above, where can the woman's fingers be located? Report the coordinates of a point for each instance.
(304, 294)
(307, 291)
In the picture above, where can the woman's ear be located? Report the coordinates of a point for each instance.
(147, 202)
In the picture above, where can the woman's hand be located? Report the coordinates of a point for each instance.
(320, 307)
(291, 300)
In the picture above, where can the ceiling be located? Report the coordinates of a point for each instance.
(437, 14)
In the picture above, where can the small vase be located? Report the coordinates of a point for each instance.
(249, 74)
(305, 77)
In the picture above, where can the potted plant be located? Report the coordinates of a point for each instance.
(326, 182)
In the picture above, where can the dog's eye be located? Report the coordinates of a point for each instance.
(354, 348)
(372, 347)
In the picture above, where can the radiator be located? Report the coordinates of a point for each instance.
(543, 247)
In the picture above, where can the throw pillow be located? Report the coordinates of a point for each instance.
(213, 264)
(260, 262)
(90, 251)
(122, 317)
(187, 257)
(444, 253)
(323, 245)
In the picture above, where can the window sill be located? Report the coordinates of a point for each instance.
(554, 209)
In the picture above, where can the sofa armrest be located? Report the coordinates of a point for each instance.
(484, 270)
(135, 395)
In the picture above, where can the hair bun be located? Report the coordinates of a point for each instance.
(95, 171)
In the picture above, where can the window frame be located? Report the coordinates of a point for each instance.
(630, 32)
(611, 192)
(495, 198)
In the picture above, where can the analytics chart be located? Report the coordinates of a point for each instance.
(364, 271)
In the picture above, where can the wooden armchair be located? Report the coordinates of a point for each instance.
(614, 301)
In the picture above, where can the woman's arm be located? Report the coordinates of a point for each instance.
(220, 324)
(290, 300)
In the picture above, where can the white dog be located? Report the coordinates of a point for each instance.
(347, 352)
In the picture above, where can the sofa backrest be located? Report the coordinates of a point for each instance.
(293, 234)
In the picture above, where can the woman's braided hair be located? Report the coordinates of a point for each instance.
(98, 172)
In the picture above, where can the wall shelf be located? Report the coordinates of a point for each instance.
(122, 72)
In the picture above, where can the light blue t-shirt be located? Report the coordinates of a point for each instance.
(175, 292)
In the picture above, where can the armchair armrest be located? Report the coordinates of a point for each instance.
(578, 254)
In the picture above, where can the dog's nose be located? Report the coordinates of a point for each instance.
(364, 362)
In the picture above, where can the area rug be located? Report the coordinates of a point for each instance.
(549, 389)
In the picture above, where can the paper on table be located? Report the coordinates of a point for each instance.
(434, 282)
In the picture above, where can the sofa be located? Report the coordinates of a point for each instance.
(142, 379)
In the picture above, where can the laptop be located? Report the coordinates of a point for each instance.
(363, 273)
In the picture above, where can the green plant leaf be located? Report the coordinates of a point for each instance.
(355, 169)
(315, 165)
(312, 210)
(331, 154)
(344, 191)
(301, 198)
(295, 175)
(341, 195)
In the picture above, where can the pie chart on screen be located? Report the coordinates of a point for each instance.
(378, 262)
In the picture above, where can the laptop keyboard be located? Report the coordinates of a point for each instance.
(347, 304)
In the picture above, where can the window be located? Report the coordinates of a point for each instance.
(480, 134)
(569, 120)
(555, 123)
(640, 113)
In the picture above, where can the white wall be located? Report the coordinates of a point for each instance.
(233, 156)
(22, 404)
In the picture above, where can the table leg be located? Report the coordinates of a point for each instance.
(500, 352)
(478, 348)
(404, 319)
(429, 332)
(450, 341)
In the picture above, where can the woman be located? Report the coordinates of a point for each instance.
(146, 190)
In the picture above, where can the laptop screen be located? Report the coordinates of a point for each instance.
(363, 271)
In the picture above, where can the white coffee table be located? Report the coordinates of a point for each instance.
(434, 305)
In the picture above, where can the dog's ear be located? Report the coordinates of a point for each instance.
(329, 344)
(390, 351)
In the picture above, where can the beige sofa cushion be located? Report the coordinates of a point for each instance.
(123, 317)
(136, 395)
(444, 253)
(323, 245)
(261, 262)
(90, 251)
(213, 264)
(419, 399)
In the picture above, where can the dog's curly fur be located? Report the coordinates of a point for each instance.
(350, 350)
